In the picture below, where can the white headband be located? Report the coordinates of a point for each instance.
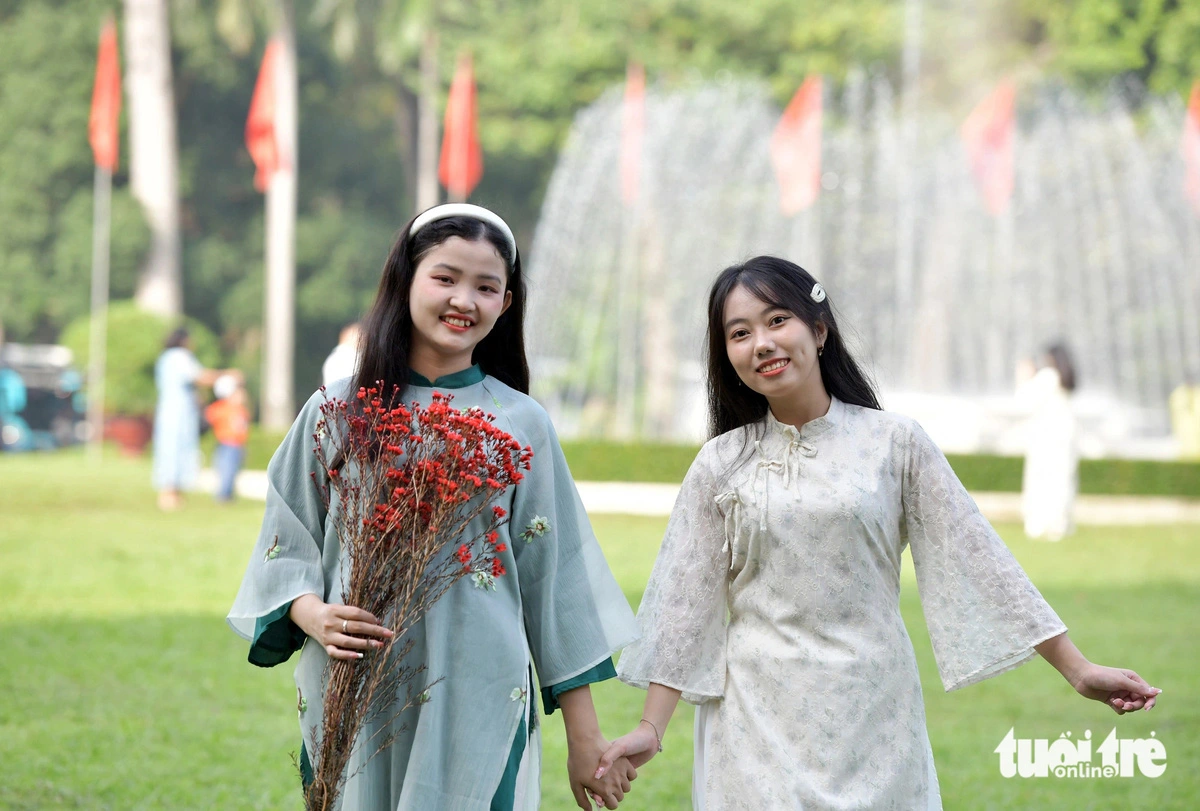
(463, 210)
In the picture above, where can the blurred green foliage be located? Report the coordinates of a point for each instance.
(47, 55)
(135, 340)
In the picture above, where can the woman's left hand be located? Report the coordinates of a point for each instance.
(607, 791)
(1123, 690)
(638, 747)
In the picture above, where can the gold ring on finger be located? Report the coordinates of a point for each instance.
(344, 625)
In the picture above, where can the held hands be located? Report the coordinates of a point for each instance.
(608, 789)
(344, 631)
(638, 747)
(1123, 690)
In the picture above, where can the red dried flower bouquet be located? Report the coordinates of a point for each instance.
(408, 483)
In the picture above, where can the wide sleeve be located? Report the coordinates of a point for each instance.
(683, 613)
(576, 616)
(287, 558)
(984, 615)
(601, 672)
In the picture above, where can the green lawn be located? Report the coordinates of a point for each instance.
(121, 687)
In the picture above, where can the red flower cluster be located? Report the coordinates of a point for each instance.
(409, 481)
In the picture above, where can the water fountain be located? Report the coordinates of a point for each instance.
(1099, 246)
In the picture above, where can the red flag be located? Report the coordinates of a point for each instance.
(988, 136)
(1191, 147)
(261, 141)
(633, 131)
(796, 148)
(461, 164)
(104, 133)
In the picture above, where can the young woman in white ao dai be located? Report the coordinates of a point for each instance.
(774, 601)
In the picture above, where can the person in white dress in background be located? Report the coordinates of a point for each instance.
(774, 601)
(177, 374)
(1051, 476)
(343, 360)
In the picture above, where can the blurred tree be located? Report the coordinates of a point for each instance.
(47, 60)
(403, 37)
(135, 340)
(347, 209)
(154, 149)
(1091, 42)
(538, 61)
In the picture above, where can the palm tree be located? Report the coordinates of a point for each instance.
(154, 151)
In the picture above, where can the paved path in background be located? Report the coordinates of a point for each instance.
(628, 498)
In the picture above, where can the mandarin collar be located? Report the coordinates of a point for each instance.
(811, 429)
(457, 380)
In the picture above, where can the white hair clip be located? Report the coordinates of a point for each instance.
(463, 210)
(818, 293)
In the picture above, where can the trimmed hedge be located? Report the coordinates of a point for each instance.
(1136, 477)
(1101, 477)
(608, 461)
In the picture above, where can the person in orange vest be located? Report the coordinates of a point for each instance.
(230, 421)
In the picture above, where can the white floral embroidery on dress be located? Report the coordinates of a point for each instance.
(536, 528)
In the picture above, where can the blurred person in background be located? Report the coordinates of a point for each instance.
(1051, 477)
(343, 360)
(177, 372)
(230, 420)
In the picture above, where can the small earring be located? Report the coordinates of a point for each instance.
(820, 350)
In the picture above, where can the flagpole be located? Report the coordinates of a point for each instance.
(98, 338)
(427, 127)
(279, 283)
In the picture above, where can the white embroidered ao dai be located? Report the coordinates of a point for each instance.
(774, 605)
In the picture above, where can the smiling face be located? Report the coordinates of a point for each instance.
(771, 349)
(458, 291)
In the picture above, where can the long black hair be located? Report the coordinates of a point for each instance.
(1060, 359)
(178, 337)
(788, 286)
(386, 339)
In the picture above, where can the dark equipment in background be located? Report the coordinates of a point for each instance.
(42, 405)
